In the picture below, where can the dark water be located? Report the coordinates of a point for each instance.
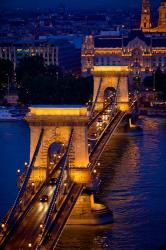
(133, 171)
(14, 151)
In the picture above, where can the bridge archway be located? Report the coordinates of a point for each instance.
(55, 151)
(115, 77)
(58, 122)
(109, 95)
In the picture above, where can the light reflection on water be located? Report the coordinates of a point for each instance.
(133, 172)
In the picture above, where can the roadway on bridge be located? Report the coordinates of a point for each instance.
(62, 217)
(29, 228)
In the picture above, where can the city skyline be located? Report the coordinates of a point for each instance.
(74, 4)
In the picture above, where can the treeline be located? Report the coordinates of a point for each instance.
(157, 82)
(40, 84)
(6, 73)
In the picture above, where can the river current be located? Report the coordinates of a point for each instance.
(133, 186)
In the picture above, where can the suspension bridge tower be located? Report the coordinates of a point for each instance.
(57, 123)
(111, 76)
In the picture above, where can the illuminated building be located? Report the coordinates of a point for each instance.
(142, 52)
(146, 23)
(58, 52)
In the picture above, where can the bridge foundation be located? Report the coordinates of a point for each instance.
(87, 212)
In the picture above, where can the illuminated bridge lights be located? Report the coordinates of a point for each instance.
(29, 245)
(18, 171)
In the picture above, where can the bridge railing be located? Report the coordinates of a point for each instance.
(104, 138)
(97, 95)
(25, 182)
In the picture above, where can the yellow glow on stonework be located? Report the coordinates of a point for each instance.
(110, 68)
(123, 106)
(108, 50)
(80, 175)
(58, 111)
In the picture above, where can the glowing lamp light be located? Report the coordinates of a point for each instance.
(18, 171)
(3, 225)
(94, 171)
(29, 245)
(41, 225)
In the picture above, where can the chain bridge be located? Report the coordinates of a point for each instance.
(58, 187)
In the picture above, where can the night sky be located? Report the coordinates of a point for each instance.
(75, 4)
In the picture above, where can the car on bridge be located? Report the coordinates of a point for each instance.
(44, 198)
(53, 181)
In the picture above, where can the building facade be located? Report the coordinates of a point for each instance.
(142, 52)
(146, 21)
(54, 52)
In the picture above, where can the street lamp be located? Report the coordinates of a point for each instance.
(65, 190)
(94, 171)
(154, 80)
(42, 227)
(18, 171)
(29, 245)
(122, 35)
(33, 187)
(3, 226)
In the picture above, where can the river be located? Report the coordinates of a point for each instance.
(133, 175)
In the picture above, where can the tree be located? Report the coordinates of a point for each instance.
(157, 81)
(41, 84)
(148, 82)
(6, 73)
(160, 80)
(30, 66)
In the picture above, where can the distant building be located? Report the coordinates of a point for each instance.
(58, 52)
(142, 52)
(146, 22)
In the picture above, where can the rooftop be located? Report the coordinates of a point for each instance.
(116, 42)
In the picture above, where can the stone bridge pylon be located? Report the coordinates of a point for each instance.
(58, 122)
(111, 77)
